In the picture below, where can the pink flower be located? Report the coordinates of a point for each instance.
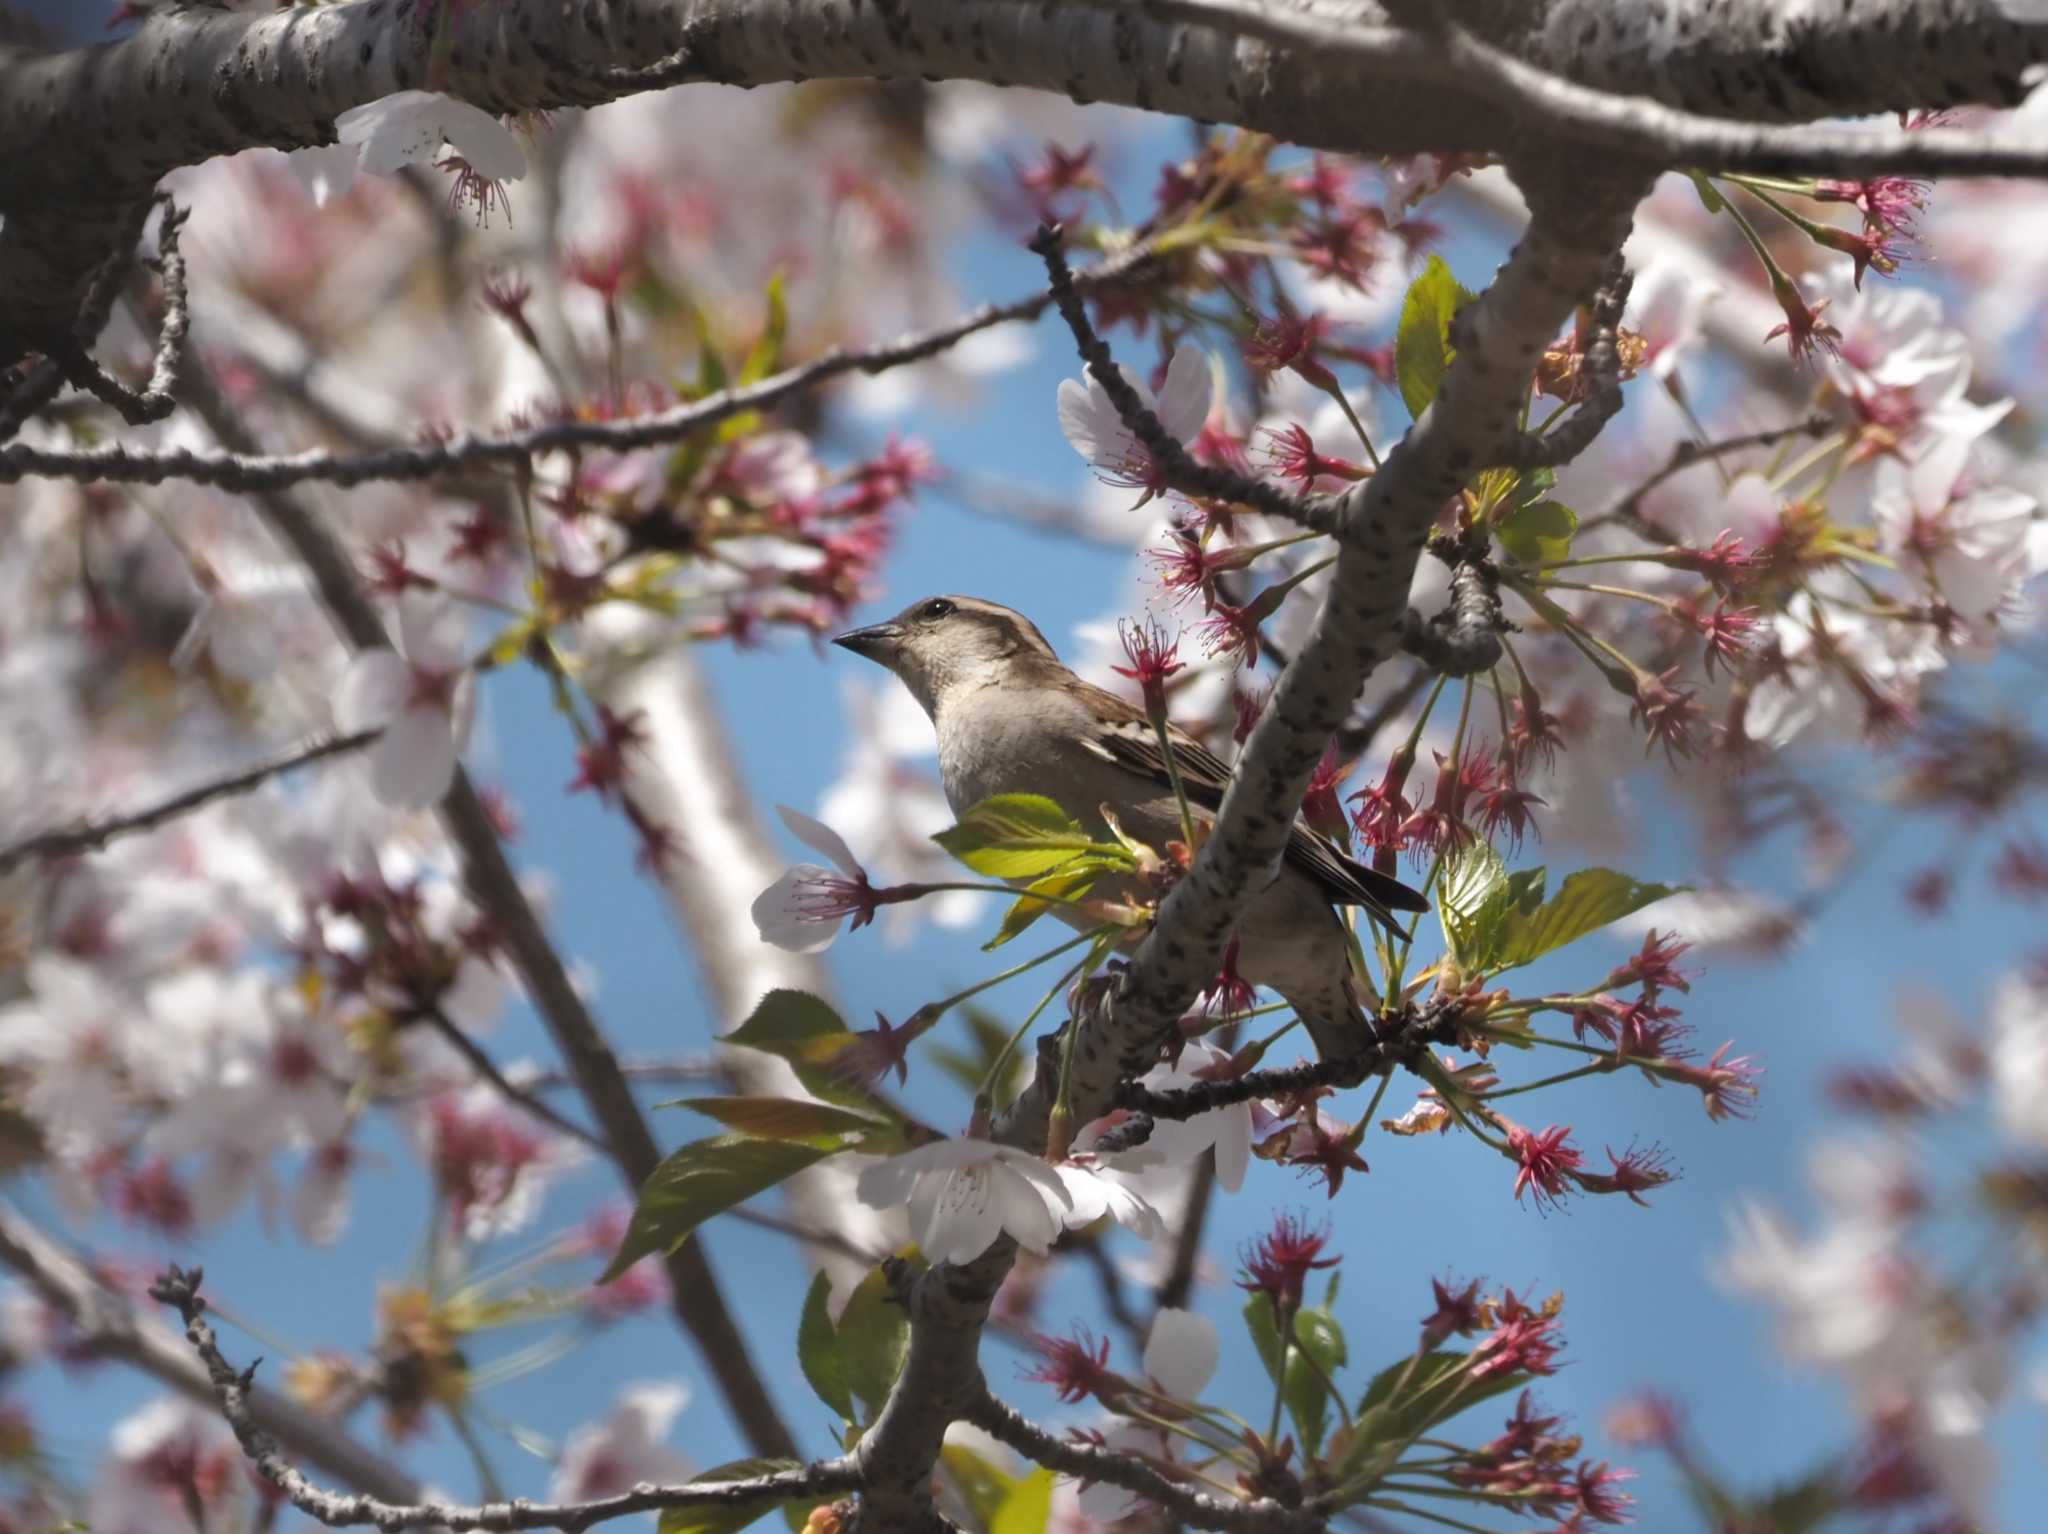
(1547, 1161)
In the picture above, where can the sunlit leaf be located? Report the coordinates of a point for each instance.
(766, 353)
(1317, 1353)
(1028, 1507)
(804, 1030)
(1068, 882)
(1018, 836)
(1538, 532)
(1422, 349)
(1587, 901)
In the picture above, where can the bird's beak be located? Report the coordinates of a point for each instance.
(877, 641)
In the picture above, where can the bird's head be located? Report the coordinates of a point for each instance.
(942, 645)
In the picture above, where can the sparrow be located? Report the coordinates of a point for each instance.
(1011, 719)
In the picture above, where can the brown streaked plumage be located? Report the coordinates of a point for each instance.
(1012, 719)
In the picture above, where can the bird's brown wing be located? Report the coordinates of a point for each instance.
(1127, 739)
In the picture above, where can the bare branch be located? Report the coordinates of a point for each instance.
(339, 1510)
(1629, 509)
(95, 835)
(153, 401)
(1196, 1509)
(480, 1061)
(248, 472)
(108, 1326)
(1177, 466)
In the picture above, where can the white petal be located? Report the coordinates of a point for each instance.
(1081, 417)
(326, 171)
(819, 837)
(1184, 401)
(413, 762)
(1026, 1209)
(1181, 1353)
(373, 690)
(400, 129)
(431, 631)
(490, 147)
(1233, 1145)
(777, 917)
(965, 1218)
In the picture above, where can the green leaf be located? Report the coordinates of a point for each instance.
(766, 352)
(1317, 1337)
(1422, 349)
(1468, 901)
(1538, 532)
(788, 1118)
(1385, 1421)
(717, 1518)
(874, 1334)
(1069, 882)
(1589, 900)
(817, 1349)
(986, 1034)
(1028, 1507)
(1017, 836)
(804, 1030)
(983, 1485)
(701, 1180)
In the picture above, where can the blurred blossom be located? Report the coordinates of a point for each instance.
(419, 695)
(625, 1448)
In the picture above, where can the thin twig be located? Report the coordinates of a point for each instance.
(339, 1510)
(1176, 465)
(1179, 1282)
(1401, 1040)
(480, 1061)
(1599, 376)
(1085, 1462)
(248, 472)
(1354, 738)
(153, 402)
(1628, 510)
(95, 835)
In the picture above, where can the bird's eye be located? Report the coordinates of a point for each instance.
(935, 609)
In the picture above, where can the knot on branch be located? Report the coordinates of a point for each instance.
(179, 1288)
(1599, 381)
(1463, 639)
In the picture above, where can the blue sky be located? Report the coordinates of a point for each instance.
(1641, 1308)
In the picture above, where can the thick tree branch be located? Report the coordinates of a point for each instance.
(91, 131)
(94, 835)
(339, 1510)
(697, 1298)
(106, 1325)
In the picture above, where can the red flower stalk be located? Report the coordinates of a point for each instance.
(1655, 965)
(1291, 453)
(1669, 716)
(1279, 1263)
(1522, 1341)
(1804, 330)
(1320, 806)
(1634, 1173)
(1077, 1367)
(1152, 660)
(1457, 1311)
(1548, 1162)
(1234, 995)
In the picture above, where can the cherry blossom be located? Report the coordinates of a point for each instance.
(1181, 1352)
(1095, 430)
(419, 695)
(802, 910)
(963, 1194)
(625, 1448)
(172, 1465)
(408, 128)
